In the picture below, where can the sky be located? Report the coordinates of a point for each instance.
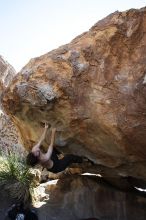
(30, 28)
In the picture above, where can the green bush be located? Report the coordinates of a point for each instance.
(15, 176)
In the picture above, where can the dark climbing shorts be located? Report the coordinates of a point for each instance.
(62, 164)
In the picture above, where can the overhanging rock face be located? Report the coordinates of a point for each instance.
(93, 91)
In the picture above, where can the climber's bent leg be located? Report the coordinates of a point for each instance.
(63, 163)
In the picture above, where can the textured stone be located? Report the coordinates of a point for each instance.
(7, 72)
(87, 198)
(9, 137)
(93, 91)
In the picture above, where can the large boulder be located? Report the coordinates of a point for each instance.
(93, 91)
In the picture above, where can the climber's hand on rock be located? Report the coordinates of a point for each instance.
(46, 125)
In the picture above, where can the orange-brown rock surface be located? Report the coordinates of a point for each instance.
(93, 91)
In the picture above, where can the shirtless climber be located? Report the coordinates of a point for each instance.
(49, 160)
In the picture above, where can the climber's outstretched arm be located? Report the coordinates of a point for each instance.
(37, 146)
(47, 156)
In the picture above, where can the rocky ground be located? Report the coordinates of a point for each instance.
(79, 197)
